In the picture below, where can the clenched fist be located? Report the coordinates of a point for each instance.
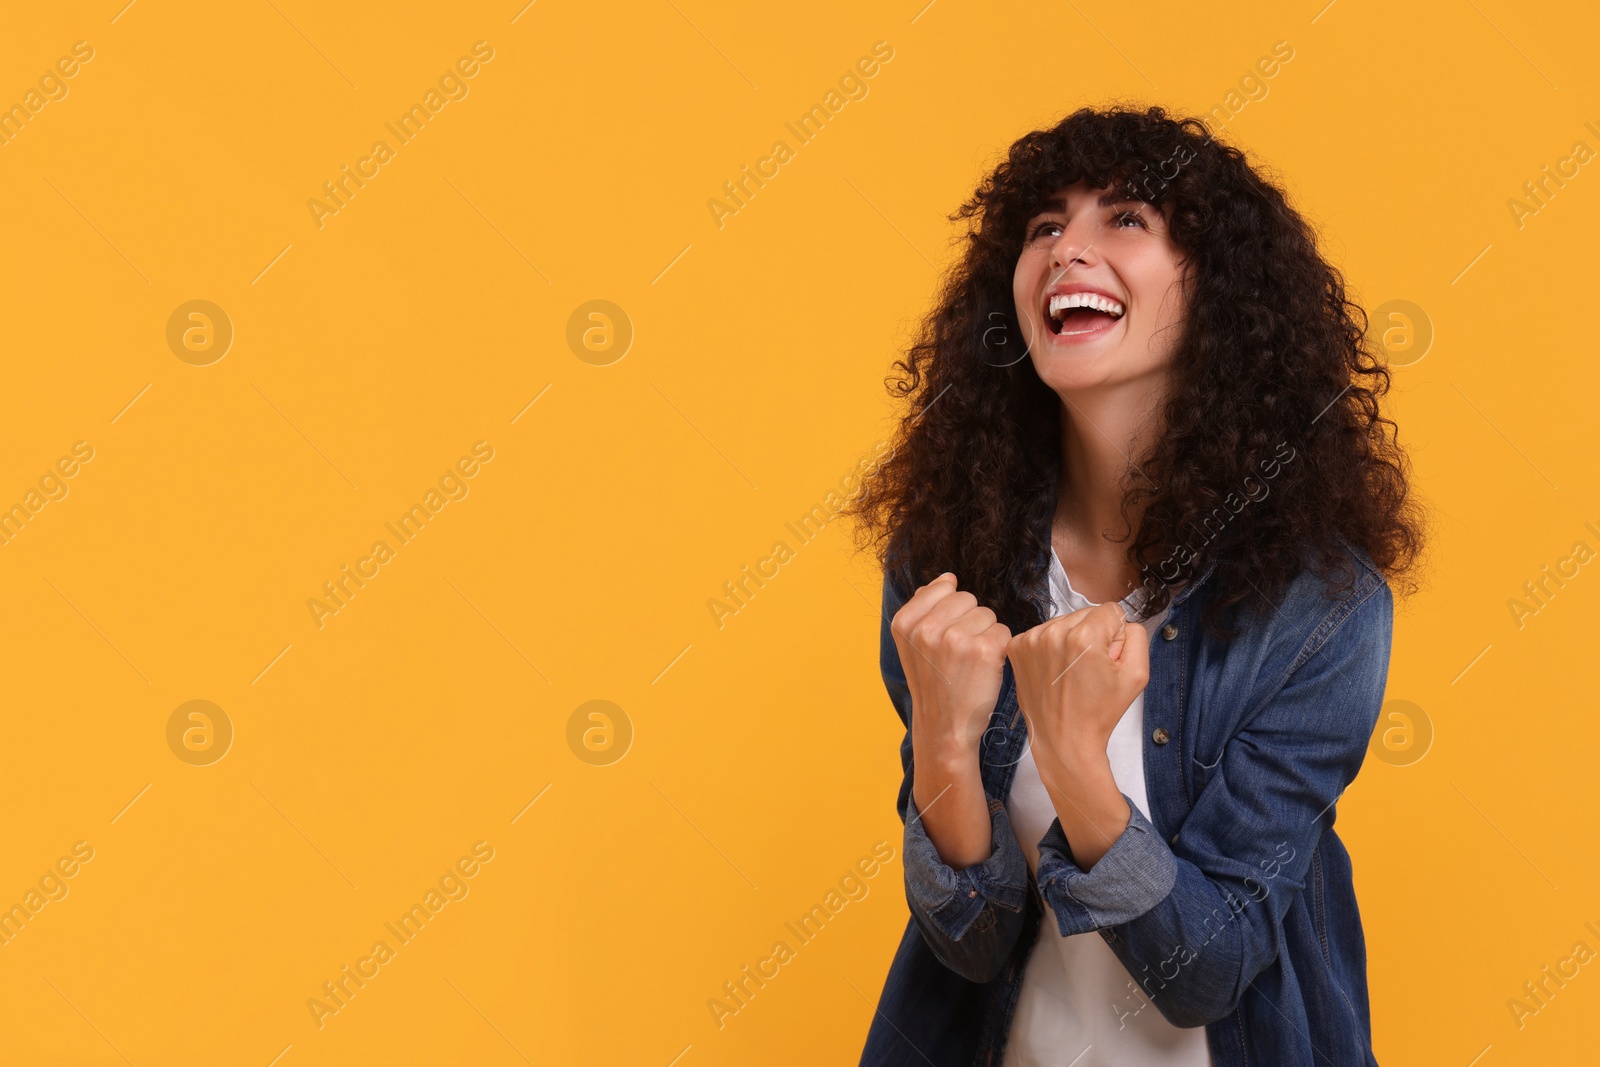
(953, 652)
(1076, 675)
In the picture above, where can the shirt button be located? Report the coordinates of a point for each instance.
(1168, 632)
(1160, 736)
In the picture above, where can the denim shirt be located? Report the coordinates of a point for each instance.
(1231, 907)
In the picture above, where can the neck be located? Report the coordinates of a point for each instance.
(1103, 434)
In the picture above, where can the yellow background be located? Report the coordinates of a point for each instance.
(431, 311)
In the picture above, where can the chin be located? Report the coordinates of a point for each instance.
(1083, 371)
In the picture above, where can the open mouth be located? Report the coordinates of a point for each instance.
(1072, 314)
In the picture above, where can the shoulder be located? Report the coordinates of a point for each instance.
(1326, 669)
(1344, 616)
(1353, 599)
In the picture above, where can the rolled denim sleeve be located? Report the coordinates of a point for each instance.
(1135, 874)
(955, 901)
(969, 918)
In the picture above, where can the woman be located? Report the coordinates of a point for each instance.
(1138, 534)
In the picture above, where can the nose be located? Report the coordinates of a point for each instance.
(1072, 246)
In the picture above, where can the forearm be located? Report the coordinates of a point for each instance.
(1092, 809)
(948, 789)
(970, 906)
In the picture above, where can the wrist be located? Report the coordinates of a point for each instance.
(949, 751)
(1075, 752)
(1090, 805)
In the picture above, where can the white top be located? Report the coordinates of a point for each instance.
(1079, 1005)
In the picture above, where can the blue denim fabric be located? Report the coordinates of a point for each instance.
(1232, 906)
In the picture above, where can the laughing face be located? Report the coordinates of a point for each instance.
(1099, 290)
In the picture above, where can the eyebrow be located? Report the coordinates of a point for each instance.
(1106, 199)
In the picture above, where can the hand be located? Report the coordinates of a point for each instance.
(1076, 675)
(953, 652)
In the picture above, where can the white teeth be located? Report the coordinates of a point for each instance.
(1061, 303)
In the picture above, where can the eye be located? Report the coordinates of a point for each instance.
(1134, 215)
(1038, 231)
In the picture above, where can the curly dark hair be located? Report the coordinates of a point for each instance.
(1273, 379)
